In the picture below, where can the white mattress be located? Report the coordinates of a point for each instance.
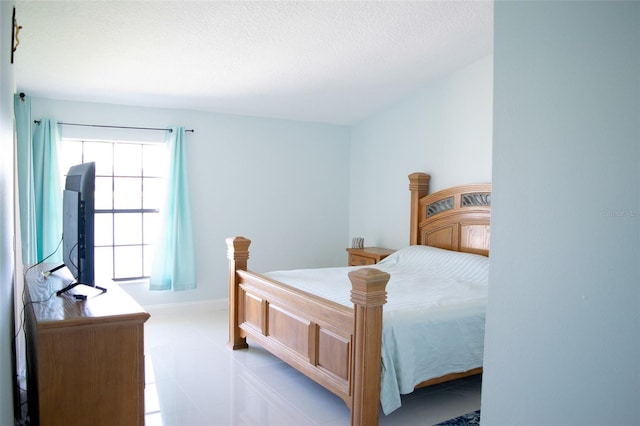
(433, 321)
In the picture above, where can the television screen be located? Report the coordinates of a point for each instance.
(78, 222)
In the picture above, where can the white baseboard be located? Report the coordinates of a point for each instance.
(188, 307)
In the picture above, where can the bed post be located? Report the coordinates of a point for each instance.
(419, 187)
(237, 253)
(368, 294)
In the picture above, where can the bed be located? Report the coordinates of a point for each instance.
(337, 340)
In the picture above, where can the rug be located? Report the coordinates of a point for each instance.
(469, 419)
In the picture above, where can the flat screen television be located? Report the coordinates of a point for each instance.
(78, 209)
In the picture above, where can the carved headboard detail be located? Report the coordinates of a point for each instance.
(456, 218)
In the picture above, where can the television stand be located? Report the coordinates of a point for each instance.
(85, 361)
(73, 284)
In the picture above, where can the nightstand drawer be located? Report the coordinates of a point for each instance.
(356, 260)
(367, 255)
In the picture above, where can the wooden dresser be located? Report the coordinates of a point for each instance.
(367, 255)
(85, 358)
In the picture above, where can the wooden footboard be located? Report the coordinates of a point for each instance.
(337, 346)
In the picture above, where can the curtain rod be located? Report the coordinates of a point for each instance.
(115, 127)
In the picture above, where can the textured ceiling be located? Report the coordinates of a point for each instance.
(324, 61)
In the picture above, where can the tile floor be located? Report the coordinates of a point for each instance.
(194, 379)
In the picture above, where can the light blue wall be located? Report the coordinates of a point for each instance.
(283, 184)
(563, 321)
(445, 130)
(7, 87)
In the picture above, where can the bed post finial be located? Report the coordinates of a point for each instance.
(419, 187)
(238, 254)
(368, 294)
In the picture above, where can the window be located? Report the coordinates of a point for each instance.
(127, 202)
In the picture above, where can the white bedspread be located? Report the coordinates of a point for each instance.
(433, 321)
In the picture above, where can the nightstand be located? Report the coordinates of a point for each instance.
(367, 255)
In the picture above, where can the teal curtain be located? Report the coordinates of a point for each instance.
(47, 189)
(26, 198)
(174, 265)
(39, 186)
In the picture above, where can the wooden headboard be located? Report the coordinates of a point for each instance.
(457, 218)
